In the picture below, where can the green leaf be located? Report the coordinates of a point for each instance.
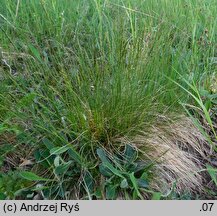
(74, 155)
(213, 173)
(57, 161)
(58, 150)
(89, 182)
(105, 171)
(32, 176)
(3, 128)
(27, 100)
(48, 143)
(35, 53)
(30, 196)
(131, 168)
(135, 185)
(43, 157)
(130, 154)
(142, 183)
(204, 92)
(156, 196)
(124, 184)
(111, 192)
(214, 101)
(114, 170)
(107, 164)
(98, 193)
(62, 168)
(1, 161)
(2, 196)
(208, 104)
(212, 96)
(102, 155)
(197, 97)
(141, 165)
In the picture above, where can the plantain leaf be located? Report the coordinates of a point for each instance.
(105, 171)
(142, 183)
(32, 176)
(89, 181)
(62, 168)
(130, 154)
(111, 192)
(58, 150)
(124, 184)
(102, 155)
(74, 155)
(48, 143)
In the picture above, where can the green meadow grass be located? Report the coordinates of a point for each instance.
(75, 75)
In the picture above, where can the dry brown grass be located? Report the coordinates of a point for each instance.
(179, 151)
